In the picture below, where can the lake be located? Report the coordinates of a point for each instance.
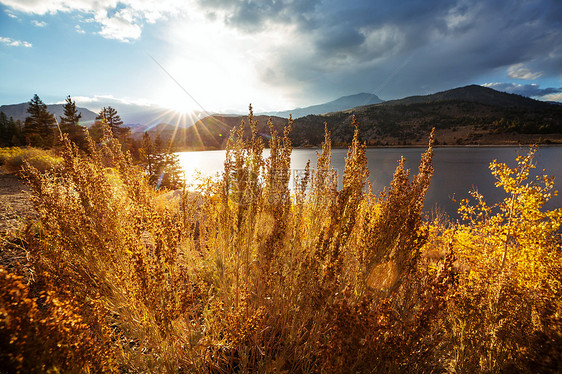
(457, 169)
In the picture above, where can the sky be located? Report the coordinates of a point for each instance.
(222, 55)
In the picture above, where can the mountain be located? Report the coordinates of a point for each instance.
(142, 117)
(464, 115)
(213, 131)
(147, 118)
(19, 112)
(475, 94)
(343, 103)
(139, 118)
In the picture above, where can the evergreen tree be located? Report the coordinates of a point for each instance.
(13, 133)
(148, 154)
(135, 149)
(158, 145)
(69, 124)
(10, 131)
(96, 131)
(4, 130)
(162, 165)
(173, 172)
(71, 116)
(16, 129)
(39, 125)
(159, 167)
(114, 121)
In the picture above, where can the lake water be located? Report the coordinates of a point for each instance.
(457, 170)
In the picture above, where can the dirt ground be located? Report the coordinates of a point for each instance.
(14, 202)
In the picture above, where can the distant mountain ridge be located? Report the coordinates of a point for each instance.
(147, 119)
(144, 118)
(19, 112)
(464, 115)
(473, 93)
(481, 111)
(139, 118)
(343, 103)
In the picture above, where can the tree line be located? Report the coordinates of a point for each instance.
(42, 130)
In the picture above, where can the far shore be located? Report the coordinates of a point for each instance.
(417, 145)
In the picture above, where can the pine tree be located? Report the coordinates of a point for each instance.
(3, 129)
(135, 148)
(71, 116)
(15, 132)
(40, 124)
(148, 154)
(10, 131)
(16, 129)
(159, 168)
(114, 121)
(162, 165)
(69, 124)
(173, 177)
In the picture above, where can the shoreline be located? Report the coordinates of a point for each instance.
(551, 145)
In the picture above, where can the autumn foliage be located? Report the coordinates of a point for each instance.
(247, 275)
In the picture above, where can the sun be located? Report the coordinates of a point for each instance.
(176, 101)
(212, 73)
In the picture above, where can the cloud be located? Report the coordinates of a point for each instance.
(314, 50)
(104, 98)
(97, 102)
(553, 97)
(120, 26)
(529, 90)
(122, 20)
(519, 71)
(39, 23)
(14, 43)
(79, 29)
(334, 48)
(9, 14)
(259, 15)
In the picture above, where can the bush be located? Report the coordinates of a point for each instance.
(14, 158)
(505, 314)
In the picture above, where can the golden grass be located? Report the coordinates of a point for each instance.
(13, 159)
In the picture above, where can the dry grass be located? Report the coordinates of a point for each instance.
(13, 159)
(247, 276)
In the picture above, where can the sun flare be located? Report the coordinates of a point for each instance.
(176, 101)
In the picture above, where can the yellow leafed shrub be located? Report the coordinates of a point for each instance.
(518, 231)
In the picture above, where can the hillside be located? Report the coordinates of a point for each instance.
(19, 112)
(465, 115)
(457, 122)
(476, 94)
(211, 132)
(143, 118)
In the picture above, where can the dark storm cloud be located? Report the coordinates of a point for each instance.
(255, 15)
(340, 39)
(395, 49)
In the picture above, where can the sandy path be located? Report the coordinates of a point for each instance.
(14, 202)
